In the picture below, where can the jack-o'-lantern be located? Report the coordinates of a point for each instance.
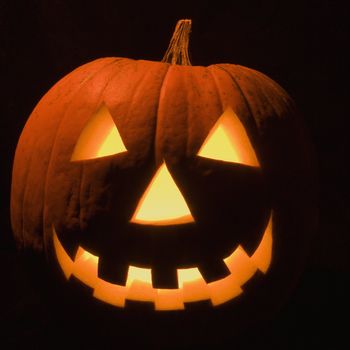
(163, 182)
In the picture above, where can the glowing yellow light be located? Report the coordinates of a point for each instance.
(191, 285)
(240, 266)
(169, 299)
(99, 138)
(138, 274)
(162, 203)
(263, 254)
(223, 290)
(63, 258)
(110, 293)
(188, 275)
(219, 146)
(139, 284)
(85, 267)
(228, 141)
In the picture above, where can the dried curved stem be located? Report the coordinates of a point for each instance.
(177, 52)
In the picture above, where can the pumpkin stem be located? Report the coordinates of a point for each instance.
(177, 52)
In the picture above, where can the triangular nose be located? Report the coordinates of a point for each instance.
(162, 203)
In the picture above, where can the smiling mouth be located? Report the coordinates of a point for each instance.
(191, 285)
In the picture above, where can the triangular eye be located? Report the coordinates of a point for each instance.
(99, 138)
(228, 141)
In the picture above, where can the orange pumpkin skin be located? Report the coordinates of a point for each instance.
(163, 112)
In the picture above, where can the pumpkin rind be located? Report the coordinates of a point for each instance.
(163, 113)
(151, 96)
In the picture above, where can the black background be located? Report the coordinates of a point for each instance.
(301, 45)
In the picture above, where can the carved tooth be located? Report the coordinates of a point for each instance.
(240, 266)
(110, 293)
(263, 254)
(169, 299)
(63, 258)
(193, 285)
(139, 284)
(85, 267)
(224, 290)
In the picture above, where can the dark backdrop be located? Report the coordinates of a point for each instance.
(301, 45)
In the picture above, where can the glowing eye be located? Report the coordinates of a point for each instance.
(228, 141)
(99, 138)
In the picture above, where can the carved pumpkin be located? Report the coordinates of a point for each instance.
(162, 182)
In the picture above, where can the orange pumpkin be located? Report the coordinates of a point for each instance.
(164, 182)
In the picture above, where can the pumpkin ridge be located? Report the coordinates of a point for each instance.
(25, 190)
(56, 134)
(26, 174)
(280, 95)
(23, 199)
(211, 73)
(199, 85)
(137, 89)
(83, 164)
(257, 82)
(24, 195)
(268, 81)
(156, 131)
(187, 124)
(240, 91)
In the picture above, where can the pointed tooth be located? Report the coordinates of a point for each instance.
(64, 260)
(110, 293)
(169, 299)
(139, 285)
(85, 267)
(263, 254)
(224, 290)
(240, 266)
(193, 285)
